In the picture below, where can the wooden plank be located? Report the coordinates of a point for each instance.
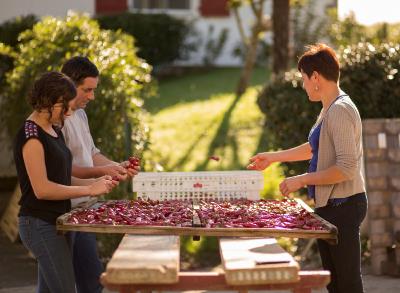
(143, 259)
(196, 222)
(214, 281)
(330, 227)
(62, 225)
(304, 205)
(256, 261)
(196, 219)
(9, 221)
(189, 231)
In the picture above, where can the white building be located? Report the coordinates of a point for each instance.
(203, 13)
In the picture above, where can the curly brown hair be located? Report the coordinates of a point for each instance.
(50, 88)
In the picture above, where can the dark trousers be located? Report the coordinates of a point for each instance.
(87, 265)
(52, 252)
(344, 259)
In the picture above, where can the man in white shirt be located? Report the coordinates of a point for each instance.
(87, 162)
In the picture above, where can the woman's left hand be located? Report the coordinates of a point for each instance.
(290, 185)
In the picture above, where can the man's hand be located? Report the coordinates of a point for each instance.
(291, 184)
(131, 172)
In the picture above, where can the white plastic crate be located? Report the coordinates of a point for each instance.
(222, 185)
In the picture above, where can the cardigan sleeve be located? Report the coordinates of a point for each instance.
(342, 132)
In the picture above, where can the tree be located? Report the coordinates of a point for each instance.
(280, 28)
(261, 24)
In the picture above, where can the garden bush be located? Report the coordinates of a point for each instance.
(160, 38)
(369, 74)
(118, 107)
(9, 32)
(10, 29)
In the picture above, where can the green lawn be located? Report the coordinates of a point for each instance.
(197, 115)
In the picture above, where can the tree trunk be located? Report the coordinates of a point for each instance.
(251, 45)
(248, 65)
(280, 27)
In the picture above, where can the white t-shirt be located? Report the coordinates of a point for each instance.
(79, 140)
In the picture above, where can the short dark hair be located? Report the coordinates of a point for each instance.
(49, 88)
(78, 68)
(322, 59)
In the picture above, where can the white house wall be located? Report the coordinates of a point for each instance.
(59, 8)
(219, 23)
(201, 25)
(12, 8)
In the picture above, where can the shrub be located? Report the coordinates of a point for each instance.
(214, 46)
(347, 31)
(369, 75)
(307, 26)
(123, 77)
(160, 38)
(10, 30)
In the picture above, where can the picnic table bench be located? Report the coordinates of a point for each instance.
(151, 263)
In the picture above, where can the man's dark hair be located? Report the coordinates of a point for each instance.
(322, 59)
(51, 88)
(78, 68)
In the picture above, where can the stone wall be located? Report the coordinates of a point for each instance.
(382, 169)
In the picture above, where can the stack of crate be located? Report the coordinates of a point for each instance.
(382, 169)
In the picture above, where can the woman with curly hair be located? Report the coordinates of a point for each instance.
(44, 164)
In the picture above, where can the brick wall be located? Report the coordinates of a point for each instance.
(382, 169)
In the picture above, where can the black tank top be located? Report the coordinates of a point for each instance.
(58, 161)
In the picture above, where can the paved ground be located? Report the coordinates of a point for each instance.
(18, 273)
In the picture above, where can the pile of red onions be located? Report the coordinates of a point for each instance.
(243, 213)
(138, 212)
(239, 213)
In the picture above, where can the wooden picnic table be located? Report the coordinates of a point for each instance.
(329, 233)
(151, 263)
(147, 258)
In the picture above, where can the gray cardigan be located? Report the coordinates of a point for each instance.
(340, 144)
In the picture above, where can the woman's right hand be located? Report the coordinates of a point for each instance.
(260, 161)
(102, 185)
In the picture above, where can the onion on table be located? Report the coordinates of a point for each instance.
(236, 213)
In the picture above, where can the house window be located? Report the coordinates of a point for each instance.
(161, 4)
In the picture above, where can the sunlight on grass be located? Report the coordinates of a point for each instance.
(182, 133)
(185, 132)
(197, 116)
(273, 176)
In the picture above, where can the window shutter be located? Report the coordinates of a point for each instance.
(214, 8)
(111, 6)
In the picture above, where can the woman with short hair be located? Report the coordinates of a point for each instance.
(335, 178)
